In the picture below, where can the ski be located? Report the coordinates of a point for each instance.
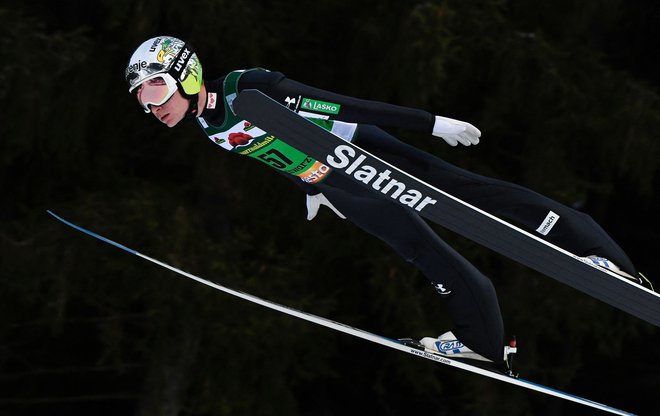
(379, 176)
(359, 333)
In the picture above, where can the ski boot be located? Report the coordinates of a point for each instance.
(607, 264)
(447, 344)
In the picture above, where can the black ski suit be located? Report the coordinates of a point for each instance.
(469, 295)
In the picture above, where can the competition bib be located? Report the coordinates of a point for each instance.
(242, 137)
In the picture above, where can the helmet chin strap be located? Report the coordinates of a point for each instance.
(192, 106)
(193, 100)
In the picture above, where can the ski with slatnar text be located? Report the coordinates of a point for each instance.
(359, 333)
(444, 209)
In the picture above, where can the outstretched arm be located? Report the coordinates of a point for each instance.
(355, 110)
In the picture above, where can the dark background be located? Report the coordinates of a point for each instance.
(565, 93)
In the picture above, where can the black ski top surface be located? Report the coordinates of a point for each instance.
(448, 211)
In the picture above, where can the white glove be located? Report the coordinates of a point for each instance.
(315, 201)
(454, 131)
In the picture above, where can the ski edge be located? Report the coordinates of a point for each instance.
(359, 333)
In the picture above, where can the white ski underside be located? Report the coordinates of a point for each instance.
(338, 326)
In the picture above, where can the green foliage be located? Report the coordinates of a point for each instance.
(86, 327)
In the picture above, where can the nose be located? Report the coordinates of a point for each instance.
(156, 109)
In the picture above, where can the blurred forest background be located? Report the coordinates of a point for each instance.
(565, 93)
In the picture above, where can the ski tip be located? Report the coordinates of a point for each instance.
(69, 223)
(91, 233)
(54, 215)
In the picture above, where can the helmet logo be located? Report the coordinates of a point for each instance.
(154, 45)
(168, 56)
(166, 49)
(139, 65)
(182, 59)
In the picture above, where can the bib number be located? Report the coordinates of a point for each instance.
(276, 159)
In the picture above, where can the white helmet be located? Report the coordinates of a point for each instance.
(168, 58)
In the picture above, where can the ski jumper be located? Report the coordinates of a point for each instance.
(470, 296)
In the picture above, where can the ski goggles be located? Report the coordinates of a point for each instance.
(156, 91)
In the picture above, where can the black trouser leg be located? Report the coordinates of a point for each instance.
(471, 300)
(574, 231)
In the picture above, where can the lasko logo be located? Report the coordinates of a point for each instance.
(345, 158)
(320, 106)
(182, 60)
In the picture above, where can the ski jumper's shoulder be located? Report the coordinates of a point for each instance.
(259, 78)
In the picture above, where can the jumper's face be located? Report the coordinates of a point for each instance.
(172, 111)
(161, 97)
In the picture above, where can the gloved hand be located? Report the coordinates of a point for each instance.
(315, 201)
(454, 131)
